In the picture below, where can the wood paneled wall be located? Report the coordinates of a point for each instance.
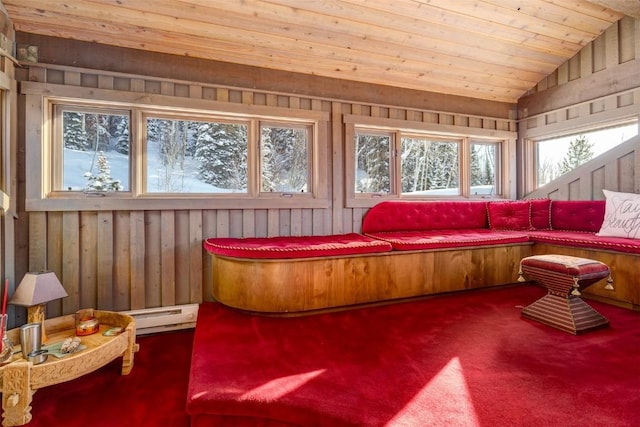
(613, 170)
(141, 258)
(599, 86)
(607, 65)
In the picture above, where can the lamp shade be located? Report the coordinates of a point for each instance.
(38, 288)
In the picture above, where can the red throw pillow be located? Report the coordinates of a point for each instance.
(540, 214)
(509, 215)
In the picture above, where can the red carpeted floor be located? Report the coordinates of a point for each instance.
(460, 360)
(152, 395)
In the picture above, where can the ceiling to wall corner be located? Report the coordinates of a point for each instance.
(487, 49)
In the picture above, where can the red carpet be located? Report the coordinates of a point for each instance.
(465, 360)
(153, 394)
(462, 360)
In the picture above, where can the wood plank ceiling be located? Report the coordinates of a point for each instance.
(487, 49)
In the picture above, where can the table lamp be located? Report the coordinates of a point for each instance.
(34, 291)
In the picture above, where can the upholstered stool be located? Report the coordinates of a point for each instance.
(564, 276)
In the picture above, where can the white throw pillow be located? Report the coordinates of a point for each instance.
(621, 216)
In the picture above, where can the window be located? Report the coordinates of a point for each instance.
(557, 156)
(284, 155)
(425, 162)
(143, 152)
(95, 150)
(485, 167)
(430, 166)
(196, 156)
(373, 162)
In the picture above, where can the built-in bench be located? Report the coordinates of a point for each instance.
(415, 248)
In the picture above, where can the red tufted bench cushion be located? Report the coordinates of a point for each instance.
(577, 215)
(586, 240)
(437, 239)
(295, 246)
(419, 216)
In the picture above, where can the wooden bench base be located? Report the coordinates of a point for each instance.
(307, 284)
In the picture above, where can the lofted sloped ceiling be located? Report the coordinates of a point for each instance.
(487, 49)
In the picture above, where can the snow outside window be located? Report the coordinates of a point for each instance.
(430, 166)
(195, 156)
(95, 151)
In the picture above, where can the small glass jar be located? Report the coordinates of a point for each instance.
(86, 323)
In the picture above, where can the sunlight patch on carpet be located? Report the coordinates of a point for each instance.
(279, 387)
(445, 400)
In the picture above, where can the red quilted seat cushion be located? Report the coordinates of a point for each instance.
(566, 265)
(577, 215)
(437, 239)
(586, 240)
(295, 246)
(420, 215)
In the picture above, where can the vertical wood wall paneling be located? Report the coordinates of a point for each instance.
(138, 282)
(284, 222)
(105, 261)
(88, 259)
(196, 256)
(261, 221)
(122, 261)
(249, 223)
(168, 259)
(182, 262)
(307, 222)
(626, 180)
(54, 256)
(618, 45)
(37, 241)
(296, 222)
(273, 222)
(71, 261)
(337, 168)
(612, 46)
(153, 258)
(209, 229)
(626, 33)
(222, 224)
(236, 221)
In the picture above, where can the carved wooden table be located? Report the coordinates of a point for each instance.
(19, 379)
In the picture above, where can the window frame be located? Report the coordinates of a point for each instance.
(162, 115)
(531, 146)
(401, 128)
(459, 141)
(41, 131)
(393, 159)
(311, 153)
(499, 164)
(57, 154)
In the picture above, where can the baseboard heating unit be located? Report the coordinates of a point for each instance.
(163, 319)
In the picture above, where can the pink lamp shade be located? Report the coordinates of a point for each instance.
(38, 288)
